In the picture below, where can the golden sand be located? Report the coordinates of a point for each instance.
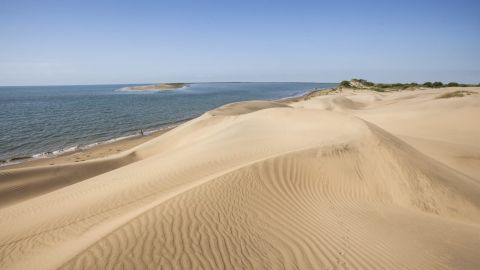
(350, 180)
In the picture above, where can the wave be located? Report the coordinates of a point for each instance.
(58, 152)
(127, 134)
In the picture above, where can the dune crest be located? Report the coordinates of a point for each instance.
(317, 184)
(245, 107)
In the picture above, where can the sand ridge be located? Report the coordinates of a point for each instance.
(331, 182)
(26, 180)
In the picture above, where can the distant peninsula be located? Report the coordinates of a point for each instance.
(158, 87)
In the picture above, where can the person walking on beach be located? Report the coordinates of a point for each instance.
(141, 132)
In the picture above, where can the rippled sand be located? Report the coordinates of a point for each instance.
(348, 180)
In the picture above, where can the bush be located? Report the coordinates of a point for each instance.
(367, 83)
(427, 84)
(452, 84)
(456, 94)
(345, 84)
(437, 84)
(364, 82)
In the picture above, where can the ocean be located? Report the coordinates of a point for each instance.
(42, 121)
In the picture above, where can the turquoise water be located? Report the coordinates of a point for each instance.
(46, 120)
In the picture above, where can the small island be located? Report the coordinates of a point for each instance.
(157, 87)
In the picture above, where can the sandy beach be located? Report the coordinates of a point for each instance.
(343, 179)
(157, 87)
(95, 152)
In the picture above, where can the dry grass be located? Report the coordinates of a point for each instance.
(460, 93)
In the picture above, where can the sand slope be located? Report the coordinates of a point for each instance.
(320, 184)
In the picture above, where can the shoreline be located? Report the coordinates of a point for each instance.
(120, 144)
(372, 167)
(156, 87)
(99, 150)
(112, 146)
(88, 152)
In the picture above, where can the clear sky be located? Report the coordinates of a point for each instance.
(96, 42)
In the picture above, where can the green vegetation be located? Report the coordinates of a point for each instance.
(321, 92)
(437, 84)
(460, 93)
(455, 84)
(394, 86)
(345, 84)
(450, 84)
(384, 87)
(364, 82)
(427, 84)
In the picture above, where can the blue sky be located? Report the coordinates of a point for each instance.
(96, 42)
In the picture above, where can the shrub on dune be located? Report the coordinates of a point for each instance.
(427, 84)
(437, 84)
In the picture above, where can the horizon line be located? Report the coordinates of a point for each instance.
(95, 84)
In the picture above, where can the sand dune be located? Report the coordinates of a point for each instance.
(331, 182)
(22, 181)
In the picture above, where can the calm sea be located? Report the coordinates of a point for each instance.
(38, 121)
